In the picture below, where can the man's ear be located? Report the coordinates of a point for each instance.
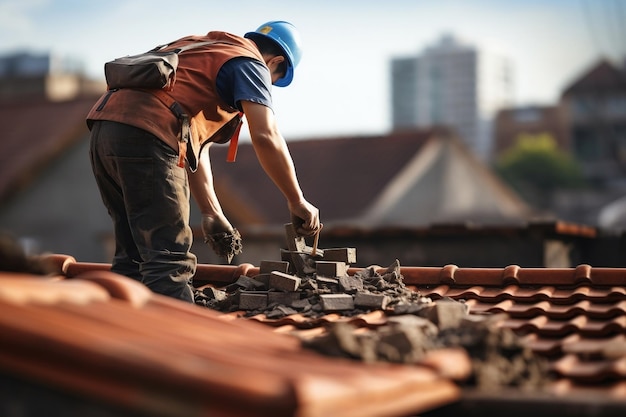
(277, 60)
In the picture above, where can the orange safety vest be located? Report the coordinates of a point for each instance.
(211, 119)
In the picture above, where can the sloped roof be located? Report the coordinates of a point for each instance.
(343, 176)
(603, 76)
(405, 177)
(572, 317)
(340, 175)
(33, 133)
(445, 182)
(105, 337)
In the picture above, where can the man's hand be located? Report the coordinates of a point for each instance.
(220, 234)
(305, 218)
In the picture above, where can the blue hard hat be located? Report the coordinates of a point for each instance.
(288, 38)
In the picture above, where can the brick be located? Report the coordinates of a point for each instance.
(347, 255)
(297, 243)
(252, 300)
(280, 297)
(331, 269)
(336, 302)
(302, 264)
(371, 300)
(284, 282)
(448, 314)
(267, 267)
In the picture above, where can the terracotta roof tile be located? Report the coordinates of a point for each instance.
(557, 311)
(575, 318)
(105, 336)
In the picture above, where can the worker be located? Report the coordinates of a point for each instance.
(145, 172)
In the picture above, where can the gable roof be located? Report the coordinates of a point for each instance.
(603, 76)
(412, 177)
(34, 132)
(340, 175)
(404, 178)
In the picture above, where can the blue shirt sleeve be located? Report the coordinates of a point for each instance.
(244, 79)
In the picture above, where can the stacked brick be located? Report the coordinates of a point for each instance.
(313, 283)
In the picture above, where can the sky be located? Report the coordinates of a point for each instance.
(342, 85)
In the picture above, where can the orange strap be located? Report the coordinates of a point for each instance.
(182, 153)
(234, 142)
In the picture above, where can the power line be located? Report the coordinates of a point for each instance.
(605, 25)
(620, 15)
(589, 19)
(612, 25)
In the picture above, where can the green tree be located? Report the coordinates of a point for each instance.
(535, 168)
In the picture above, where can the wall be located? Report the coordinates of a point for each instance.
(62, 211)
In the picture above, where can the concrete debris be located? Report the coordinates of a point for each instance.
(417, 330)
(314, 295)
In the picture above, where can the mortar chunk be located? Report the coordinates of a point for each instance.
(350, 284)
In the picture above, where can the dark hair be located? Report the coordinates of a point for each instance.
(270, 47)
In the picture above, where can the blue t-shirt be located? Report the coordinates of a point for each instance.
(244, 79)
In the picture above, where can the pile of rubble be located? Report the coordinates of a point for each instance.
(312, 283)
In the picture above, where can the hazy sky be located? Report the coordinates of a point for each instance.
(342, 84)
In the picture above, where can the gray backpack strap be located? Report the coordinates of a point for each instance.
(182, 48)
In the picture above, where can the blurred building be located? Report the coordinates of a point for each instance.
(589, 123)
(514, 123)
(24, 76)
(454, 85)
(595, 110)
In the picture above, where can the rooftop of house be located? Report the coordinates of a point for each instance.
(81, 337)
(34, 133)
(357, 179)
(391, 179)
(105, 338)
(603, 76)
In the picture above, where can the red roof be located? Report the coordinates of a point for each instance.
(341, 175)
(33, 134)
(603, 76)
(106, 337)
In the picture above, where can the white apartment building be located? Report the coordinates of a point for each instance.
(451, 84)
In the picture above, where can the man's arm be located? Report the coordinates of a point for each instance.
(223, 238)
(273, 154)
(201, 186)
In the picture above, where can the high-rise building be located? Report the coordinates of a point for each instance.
(451, 84)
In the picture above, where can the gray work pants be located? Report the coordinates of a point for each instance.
(147, 197)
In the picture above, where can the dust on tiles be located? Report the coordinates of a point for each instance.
(313, 284)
